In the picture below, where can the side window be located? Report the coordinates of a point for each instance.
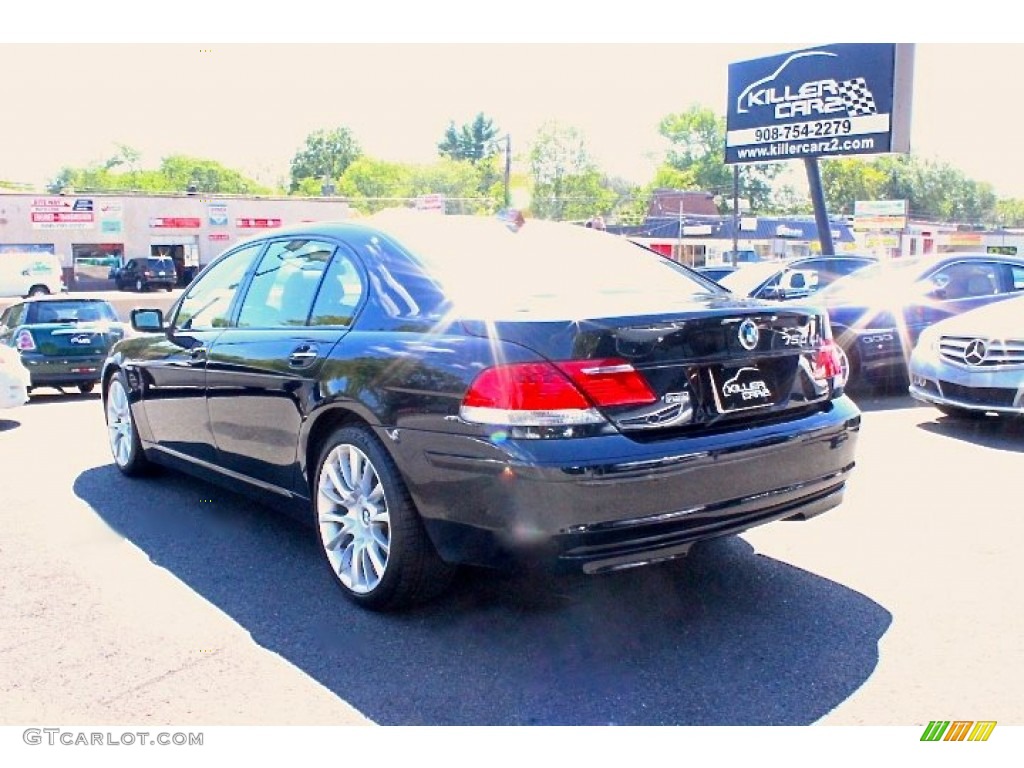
(965, 280)
(340, 293)
(208, 301)
(398, 285)
(283, 287)
(1017, 277)
(17, 315)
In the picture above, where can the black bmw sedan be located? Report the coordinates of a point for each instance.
(436, 390)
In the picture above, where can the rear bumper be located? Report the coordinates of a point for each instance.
(606, 503)
(50, 371)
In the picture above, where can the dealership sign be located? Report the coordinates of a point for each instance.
(846, 99)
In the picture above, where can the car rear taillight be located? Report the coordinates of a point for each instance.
(24, 341)
(552, 395)
(829, 363)
(609, 382)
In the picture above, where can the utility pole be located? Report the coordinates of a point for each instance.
(735, 213)
(508, 169)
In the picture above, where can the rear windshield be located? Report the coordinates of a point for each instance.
(70, 312)
(553, 269)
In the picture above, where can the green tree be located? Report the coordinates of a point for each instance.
(207, 176)
(935, 190)
(474, 141)
(788, 202)
(697, 137)
(458, 180)
(176, 174)
(567, 185)
(847, 180)
(1010, 213)
(325, 155)
(375, 184)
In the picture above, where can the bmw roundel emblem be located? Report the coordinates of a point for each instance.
(748, 334)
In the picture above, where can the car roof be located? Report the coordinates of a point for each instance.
(62, 299)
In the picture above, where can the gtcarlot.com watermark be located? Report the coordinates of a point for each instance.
(67, 737)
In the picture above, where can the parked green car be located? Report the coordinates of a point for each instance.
(62, 341)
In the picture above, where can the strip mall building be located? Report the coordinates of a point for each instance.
(91, 233)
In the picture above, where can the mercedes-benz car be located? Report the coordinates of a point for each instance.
(973, 364)
(879, 312)
(439, 390)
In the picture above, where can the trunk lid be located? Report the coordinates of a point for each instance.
(725, 362)
(73, 339)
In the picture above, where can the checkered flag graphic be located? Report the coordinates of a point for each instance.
(857, 97)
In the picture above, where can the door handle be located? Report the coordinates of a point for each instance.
(197, 352)
(303, 356)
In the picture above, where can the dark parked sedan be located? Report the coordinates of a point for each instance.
(790, 279)
(878, 313)
(444, 390)
(63, 342)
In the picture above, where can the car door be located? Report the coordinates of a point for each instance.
(172, 366)
(262, 372)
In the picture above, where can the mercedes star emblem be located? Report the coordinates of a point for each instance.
(975, 351)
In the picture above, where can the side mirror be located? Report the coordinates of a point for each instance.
(147, 320)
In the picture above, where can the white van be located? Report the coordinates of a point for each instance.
(30, 274)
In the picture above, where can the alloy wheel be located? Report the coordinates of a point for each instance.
(353, 517)
(119, 424)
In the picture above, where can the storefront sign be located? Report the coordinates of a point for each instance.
(217, 214)
(175, 223)
(62, 213)
(257, 223)
(434, 203)
(960, 238)
(879, 214)
(847, 99)
(219, 236)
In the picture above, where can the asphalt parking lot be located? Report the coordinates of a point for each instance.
(168, 600)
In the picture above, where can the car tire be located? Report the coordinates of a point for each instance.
(123, 435)
(38, 290)
(854, 374)
(368, 528)
(169, 288)
(139, 285)
(86, 388)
